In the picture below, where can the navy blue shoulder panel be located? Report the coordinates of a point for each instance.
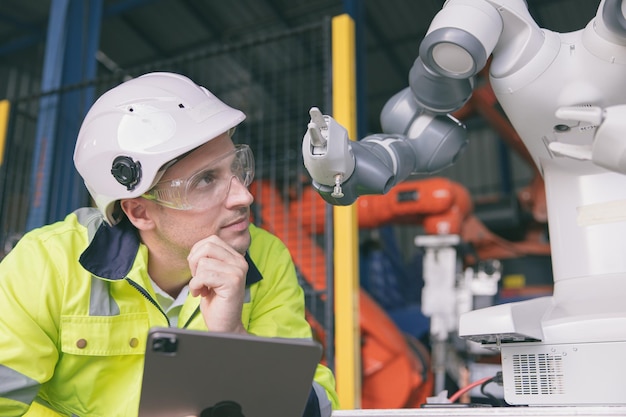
(312, 408)
(254, 275)
(112, 250)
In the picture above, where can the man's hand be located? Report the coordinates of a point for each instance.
(218, 276)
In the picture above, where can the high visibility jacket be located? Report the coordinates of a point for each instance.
(73, 334)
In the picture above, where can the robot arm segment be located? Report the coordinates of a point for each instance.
(460, 38)
(611, 22)
(465, 33)
(367, 167)
(421, 143)
(371, 175)
(434, 92)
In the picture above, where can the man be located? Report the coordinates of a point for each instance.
(169, 244)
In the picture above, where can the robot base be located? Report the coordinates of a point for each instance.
(564, 374)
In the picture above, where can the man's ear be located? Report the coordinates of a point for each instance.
(137, 212)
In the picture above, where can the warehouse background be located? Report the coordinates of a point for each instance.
(270, 58)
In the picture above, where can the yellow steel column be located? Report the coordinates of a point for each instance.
(5, 107)
(347, 329)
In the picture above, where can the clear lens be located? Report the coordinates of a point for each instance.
(208, 186)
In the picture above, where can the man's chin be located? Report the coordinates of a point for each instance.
(240, 243)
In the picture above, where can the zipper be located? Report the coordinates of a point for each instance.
(193, 315)
(148, 297)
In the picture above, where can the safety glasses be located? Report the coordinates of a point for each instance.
(209, 186)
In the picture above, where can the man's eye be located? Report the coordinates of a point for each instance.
(236, 166)
(204, 180)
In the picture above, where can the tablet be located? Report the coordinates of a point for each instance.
(207, 374)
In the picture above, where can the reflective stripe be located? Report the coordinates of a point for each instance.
(16, 386)
(100, 301)
(90, 218)
(326, 408)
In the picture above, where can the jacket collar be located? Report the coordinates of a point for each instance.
(112, 252)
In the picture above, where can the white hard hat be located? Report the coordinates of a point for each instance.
(136, 128)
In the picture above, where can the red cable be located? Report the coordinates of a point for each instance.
(468, 387)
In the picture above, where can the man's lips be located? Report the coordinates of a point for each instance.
(239, 223)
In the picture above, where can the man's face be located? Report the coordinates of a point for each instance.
(227, 212)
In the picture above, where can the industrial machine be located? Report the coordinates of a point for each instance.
(565, 94)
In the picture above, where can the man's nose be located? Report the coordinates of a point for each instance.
(239, 192)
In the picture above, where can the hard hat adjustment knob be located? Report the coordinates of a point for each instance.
(126, 171)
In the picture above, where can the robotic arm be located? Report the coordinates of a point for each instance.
(343, 170)
(415, 142)
(419, 134)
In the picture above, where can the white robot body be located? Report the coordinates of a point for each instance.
(586, 203)
(548, 345)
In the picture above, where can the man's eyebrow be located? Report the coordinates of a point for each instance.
(212, 169)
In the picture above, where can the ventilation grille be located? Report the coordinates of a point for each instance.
(538, 374)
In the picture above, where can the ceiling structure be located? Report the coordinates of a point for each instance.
(135, 32)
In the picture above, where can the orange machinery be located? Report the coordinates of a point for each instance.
(395, 370)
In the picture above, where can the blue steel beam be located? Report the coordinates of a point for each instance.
(67, 189)
(48, 111)
(72, 41)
